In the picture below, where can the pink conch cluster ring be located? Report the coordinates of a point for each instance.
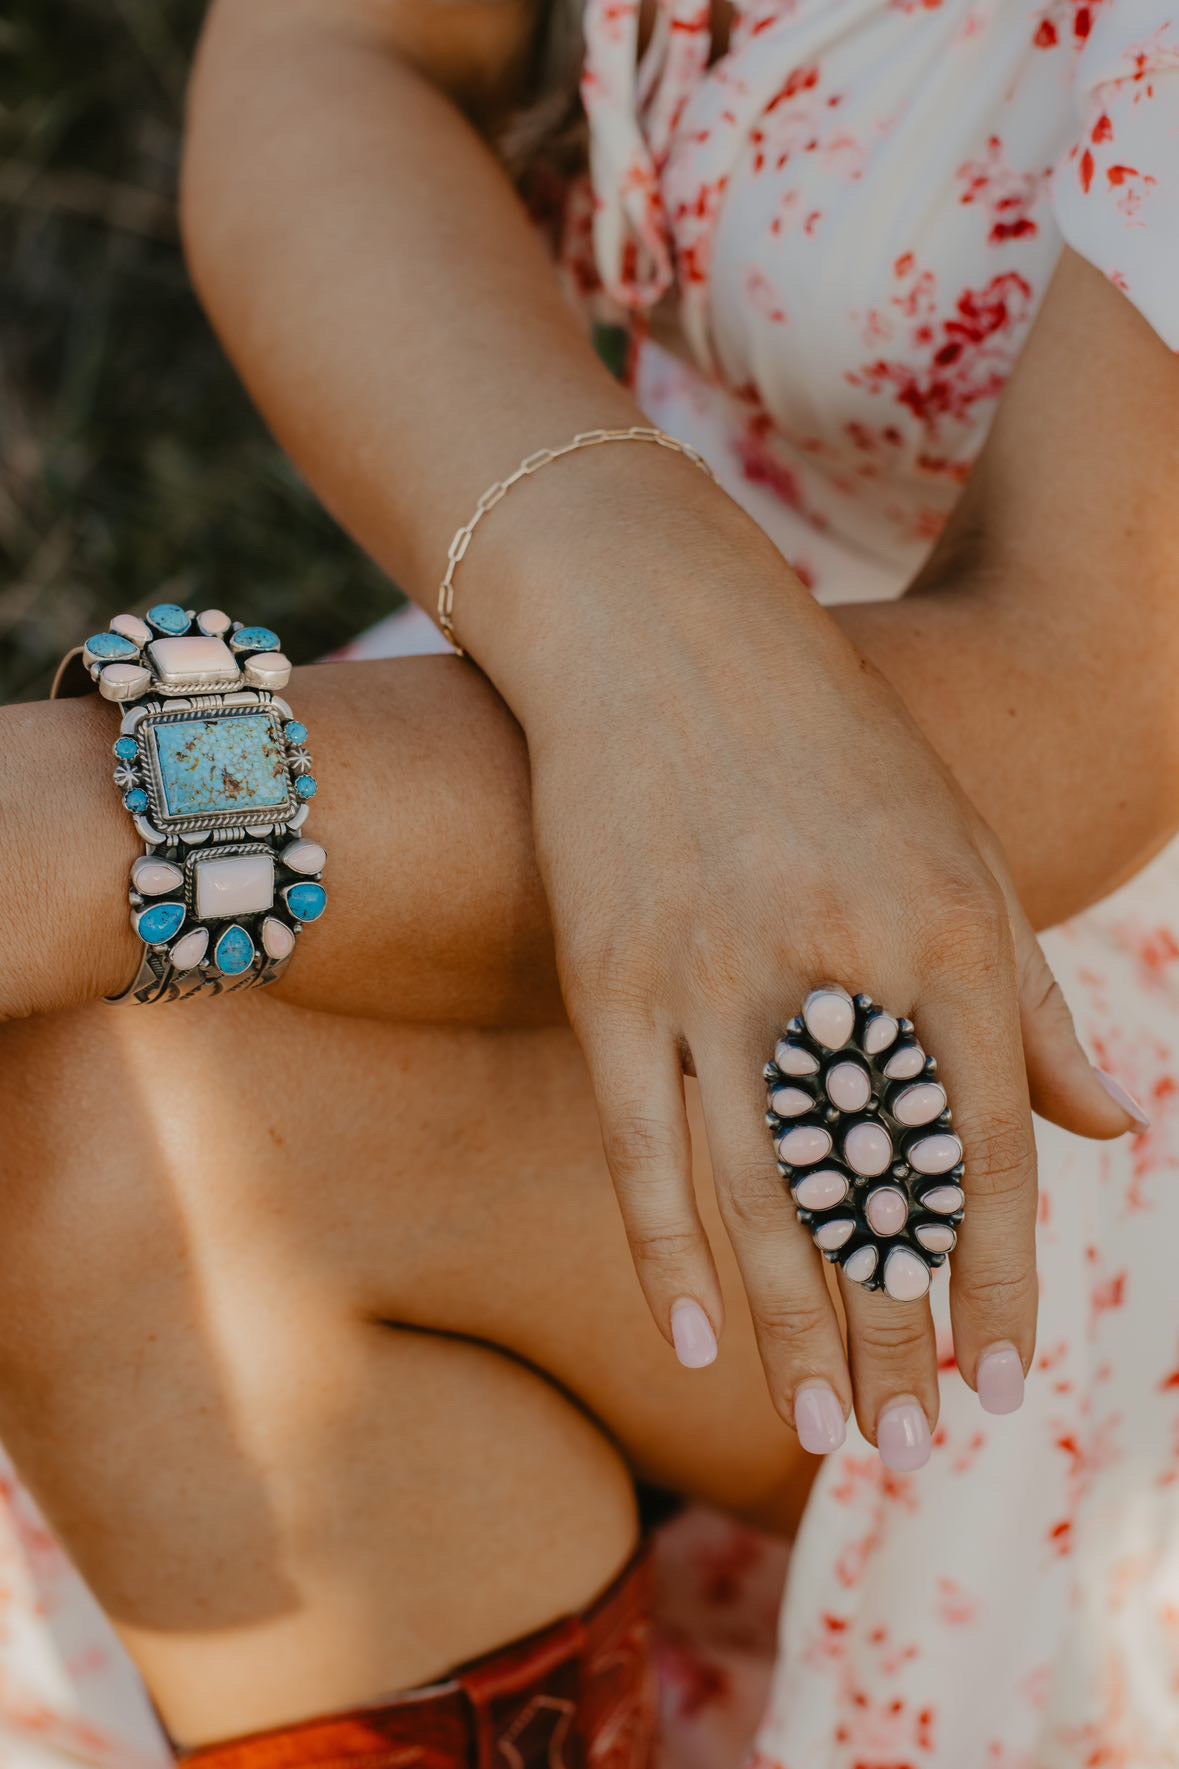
(862, 1130)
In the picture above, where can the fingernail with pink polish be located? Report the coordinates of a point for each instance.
(692, 1335)
(902, 1436)
(818, 1418)
(1120, 1097)
(999, 1379)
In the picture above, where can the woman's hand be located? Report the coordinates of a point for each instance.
(732, 806)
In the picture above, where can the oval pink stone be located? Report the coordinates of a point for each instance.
(867, 1148)
(936, 1154)
(945, 1199)
(906, 1063)
(920, 1104)
(795, 1059)
(791, 1102)
(805, 1144)
(848, 1087)
(878, 1035)
(906, 1277)
(819, 1191)
(887, 1210)
(860, 1265)
(938, 1237)
(829, 1017)
(833, 1234)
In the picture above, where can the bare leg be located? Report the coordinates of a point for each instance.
(322, 1348)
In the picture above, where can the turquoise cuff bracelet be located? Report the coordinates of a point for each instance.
(214, 771)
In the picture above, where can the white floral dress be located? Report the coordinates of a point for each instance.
(843, 228)
(833, 241)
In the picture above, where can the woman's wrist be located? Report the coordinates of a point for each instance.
(598, 559)
(68, 845)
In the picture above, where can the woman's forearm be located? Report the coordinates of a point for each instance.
(436, 905)
(435, 908)
(1069, 751)
(374, 276)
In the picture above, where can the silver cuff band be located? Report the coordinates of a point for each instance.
(213, 769)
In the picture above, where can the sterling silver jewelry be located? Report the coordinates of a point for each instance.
(862, 1130)
(213, 768)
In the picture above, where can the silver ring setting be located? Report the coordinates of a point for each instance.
(863, 1133)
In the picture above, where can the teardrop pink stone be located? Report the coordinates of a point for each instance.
(905, 1276)
(878, 1035)
(795, 1059)
(945, 1199)
(791, 1102)
(938, 1237)
(906, 1063)
(860, 1266)
(887, 1210)
(829, 1017)
(833, 1234)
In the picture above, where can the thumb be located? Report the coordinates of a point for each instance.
(1064, 1085)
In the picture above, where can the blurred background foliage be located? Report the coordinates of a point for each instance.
(132, 466)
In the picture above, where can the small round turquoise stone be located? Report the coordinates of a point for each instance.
(306, 786)
(157, 924)
(126, 749)
(306, 902)
(168, 617)
(135, 800)
(109, 646)
(295, 732)
(234, 952)
(255, 639)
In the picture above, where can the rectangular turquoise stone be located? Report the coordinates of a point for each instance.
(214, 766)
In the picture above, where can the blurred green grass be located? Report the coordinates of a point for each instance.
(132, 466)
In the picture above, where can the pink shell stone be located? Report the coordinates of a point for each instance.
(304, 856)
(937, 1237)
(906, 1277)
(935, 1154)
(945, 1199)
(831, 1235)
(906, 1063)
(791, 1102)
(920, 1104)
(152, 878)
(819, 1191)
(278, 940)
(123, 681)
(867, 1148)
(803, 1145)
(795, 1059)
(129, 626)
(887, 1210)
(848, 1087)
(829, 1017)
(878, 1035)
(860, 1265)
(214, 621)
(188, 951)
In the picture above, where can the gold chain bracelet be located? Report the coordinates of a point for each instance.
(534, 462)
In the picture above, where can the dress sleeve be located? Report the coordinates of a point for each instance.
(1116, 190)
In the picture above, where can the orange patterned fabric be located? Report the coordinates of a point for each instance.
(578, 1695)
